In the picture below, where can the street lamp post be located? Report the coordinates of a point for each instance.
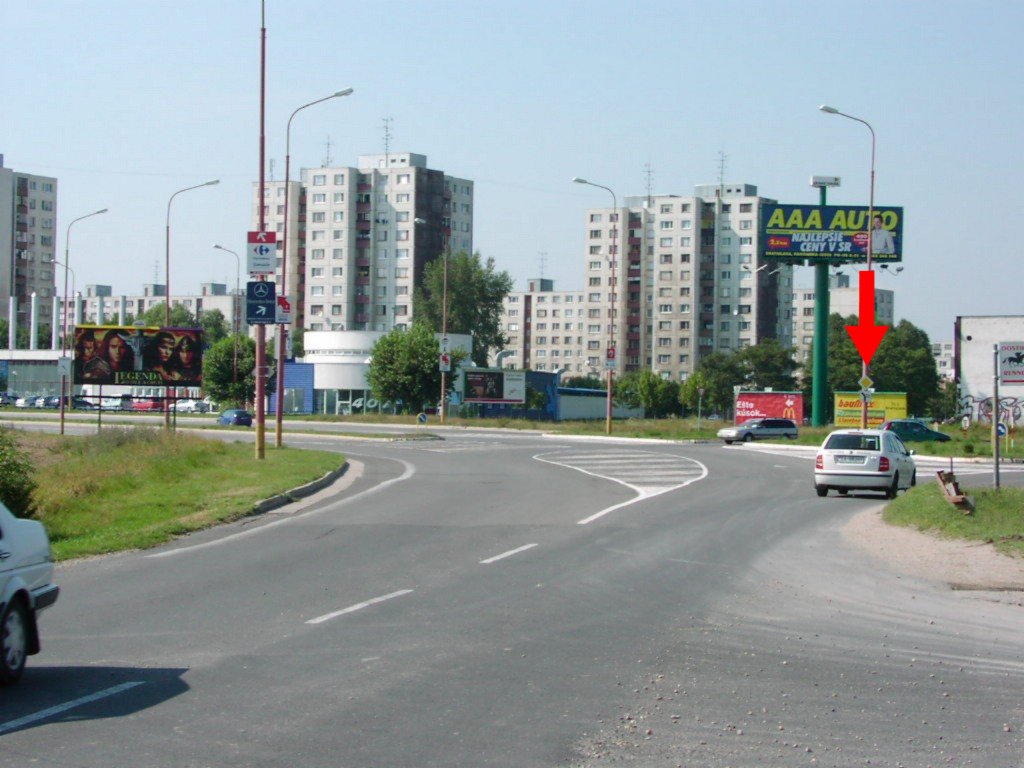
(167, 276)
(871, 215)
(234, 307)
(64, 340)
(610, 353)
(444, 321)
(282, 330)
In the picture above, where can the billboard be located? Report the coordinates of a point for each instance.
(130, 355)
(1011, 362)
(882, 406)
(774, 405)
(830, 233)
(491, 385)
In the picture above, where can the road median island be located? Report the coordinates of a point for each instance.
(137, 488)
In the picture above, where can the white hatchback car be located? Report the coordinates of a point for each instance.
(864, 459)
(26, 588)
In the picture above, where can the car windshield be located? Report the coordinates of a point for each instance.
(852, 443)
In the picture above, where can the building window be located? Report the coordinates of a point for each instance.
(402, 178)
(595, 234)
(318, 253)
(319, 180)
(402, 234)
(339, 197)
(316, 290)
(746, 224)
(319, 197)
(402, 197)
(318, 217)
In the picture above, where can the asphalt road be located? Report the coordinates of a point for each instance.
(515, 600)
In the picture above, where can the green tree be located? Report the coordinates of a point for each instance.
(24, 333)
(767, 365)
(717, 374)
(476, 293)
(585, 382)
(16, 483)
(219, 376)
(946, 404)
(659, 397)
(403, 367)
(156, 316)
(214, 325)
(298, 336)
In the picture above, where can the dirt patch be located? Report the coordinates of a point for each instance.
(960, 564)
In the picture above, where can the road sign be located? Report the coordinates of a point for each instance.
(865, 382)
(1011, 362)
(446, 362)
(611, 353)
(262, 254)
(444, 344)
(1001, 429)
(260, 303)
(284, 311)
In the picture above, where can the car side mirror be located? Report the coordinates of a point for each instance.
(911, 453)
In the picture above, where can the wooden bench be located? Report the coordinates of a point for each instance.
(951, 492)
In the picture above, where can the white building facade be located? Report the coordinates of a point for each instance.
(544, 329)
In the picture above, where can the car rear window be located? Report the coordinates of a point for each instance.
(852, 443)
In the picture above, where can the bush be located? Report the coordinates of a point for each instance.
(16, 484)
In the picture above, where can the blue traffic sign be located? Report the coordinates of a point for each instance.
(1001, 429)
(260, 303)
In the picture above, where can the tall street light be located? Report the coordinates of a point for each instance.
(871, 216)
(167, 275)
(282, 330)
(444, 321)
(64, 341)
(234, 306)
(610, 353)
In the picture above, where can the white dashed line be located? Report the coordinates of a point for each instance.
(358, 606)
(503, 555)
(61, 708)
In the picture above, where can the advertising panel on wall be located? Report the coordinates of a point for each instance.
(882, 406)
(491, 385)
(130, 355)
(793, 233)
(773, 405)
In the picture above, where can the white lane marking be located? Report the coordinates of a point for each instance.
(685, 478)
(503, 555)
(61, 708)
(410, 470)
(358, 606)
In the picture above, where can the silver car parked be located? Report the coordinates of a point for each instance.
(864, 459)
(759, 429)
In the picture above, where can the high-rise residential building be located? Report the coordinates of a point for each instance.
(844, 300)
(360, 237)
(28, 225)
(672, 279)
(544, 329)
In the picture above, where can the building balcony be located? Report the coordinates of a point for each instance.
(363, 207)
(362, 260)
(634, 272)
(363, 226)
(362, 317)
(362, 280)
(632, 337)
(635, 304)
(364, 188)
(634, 241)
(360, 299)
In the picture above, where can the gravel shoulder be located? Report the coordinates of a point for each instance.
(960, 564)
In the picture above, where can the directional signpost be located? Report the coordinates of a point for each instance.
(262, 254)
(260, 303)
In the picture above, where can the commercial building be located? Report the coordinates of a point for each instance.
(360, 237)
(974, 340)
(28, 225)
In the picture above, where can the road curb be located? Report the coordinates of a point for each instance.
(288, 497)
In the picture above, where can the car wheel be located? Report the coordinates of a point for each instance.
(747, 437)
(822, 490)
(842, 491)
(13, 643)
(728, 442)
(891, 491)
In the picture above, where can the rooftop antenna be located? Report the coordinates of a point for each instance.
(543, 261)
(327, 154)
(271, 169)
(387, 138)
(649, 173)
(722, 157)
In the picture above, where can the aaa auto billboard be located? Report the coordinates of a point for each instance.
(772, 405)
(831, 233)
(130, 355)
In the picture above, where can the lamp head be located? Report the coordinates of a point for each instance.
(212, 183)
(418, 220)
(578, 180)
(345, 92)
(830, 110)
(102, 210)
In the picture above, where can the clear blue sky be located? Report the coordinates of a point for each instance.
(126, 102)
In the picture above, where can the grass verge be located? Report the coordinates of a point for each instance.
(998, 517)
(137, 488)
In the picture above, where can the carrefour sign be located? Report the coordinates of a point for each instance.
(831, 233)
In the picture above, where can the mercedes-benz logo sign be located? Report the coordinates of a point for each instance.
(261, 290)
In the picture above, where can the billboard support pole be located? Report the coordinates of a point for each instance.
(819, 379)
(995, 416)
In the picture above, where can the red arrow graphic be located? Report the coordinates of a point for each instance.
(867, 336)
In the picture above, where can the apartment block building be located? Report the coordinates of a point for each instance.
(544, 329)
(670, 279)
(844, 300)
(97, 304)
(358, 238)
(28, 226)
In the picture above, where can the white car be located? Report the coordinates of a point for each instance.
(759, 429)
(26, 589)
(864, 459)
(191, 406)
